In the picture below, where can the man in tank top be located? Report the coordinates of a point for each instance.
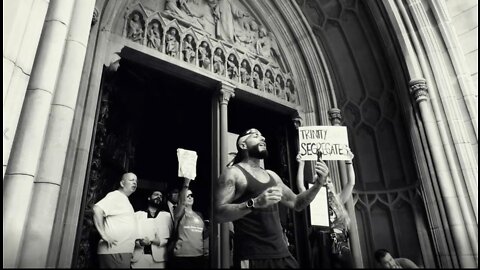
(249, 195)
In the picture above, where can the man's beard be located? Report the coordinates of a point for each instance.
(254, 152)
(155, 202)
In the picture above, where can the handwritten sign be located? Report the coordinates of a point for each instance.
(187, 163)
(319, 209)
(332, 141)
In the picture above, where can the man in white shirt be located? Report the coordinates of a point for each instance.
(154, 227)
(115, 221)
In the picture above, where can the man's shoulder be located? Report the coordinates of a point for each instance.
(406, 263)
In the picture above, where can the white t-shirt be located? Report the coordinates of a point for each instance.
(120, 223)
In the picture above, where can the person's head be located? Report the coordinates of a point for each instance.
(189, 199)
(136, 17)
(173, 196)
(128, 183)
(189, 38)
(155, 199)
(383, 257)
(244, 63)
(251, 144)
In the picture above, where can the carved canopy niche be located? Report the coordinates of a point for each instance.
(221, 36)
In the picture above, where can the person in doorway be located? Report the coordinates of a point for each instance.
(383, 257)
(114, 219)
(336, 203)
(172, 202)
(155, 226)
(248, 195)
(188, 252)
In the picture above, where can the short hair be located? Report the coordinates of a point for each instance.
(241, 153)
(380, 253)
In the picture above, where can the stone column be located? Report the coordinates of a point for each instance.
(49, 175)
(335, 117)
(456, 223)
(28, 144)
(226, 93)
(23, 26)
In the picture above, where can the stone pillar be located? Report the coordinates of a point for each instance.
(23, 24)
(226, 92)
(462, 243)
(28, 144)
(49, 175)
(335, 117)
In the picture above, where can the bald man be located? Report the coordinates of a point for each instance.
(248, 195)
(114, 219)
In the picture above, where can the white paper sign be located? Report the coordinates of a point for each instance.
(332, 141)
(187, 163)
(319, 209)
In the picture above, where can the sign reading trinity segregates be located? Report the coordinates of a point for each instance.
(331, 140)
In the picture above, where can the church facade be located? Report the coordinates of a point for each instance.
(93, 89)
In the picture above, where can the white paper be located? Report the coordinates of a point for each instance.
(332, 140)
(187, 163)
(319, 209)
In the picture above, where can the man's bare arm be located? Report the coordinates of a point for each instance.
(301, 201)
(225, 210)
(98, 216)
(297, 202)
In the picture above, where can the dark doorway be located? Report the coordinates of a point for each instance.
(143, 117)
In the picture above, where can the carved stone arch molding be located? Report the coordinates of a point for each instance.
(297, 59)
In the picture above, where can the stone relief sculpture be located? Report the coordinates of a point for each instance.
(227, 22)
(290, 92)
(279, 87)
(225, 14)
(232, 70)
(135, 28)
(171, 42)
(245, 72)
(268, 82)
(257, 77)
(154, 38)
(188, 49)
(204, 55)
(218, 61)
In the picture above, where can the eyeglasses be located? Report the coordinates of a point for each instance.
(190, 196)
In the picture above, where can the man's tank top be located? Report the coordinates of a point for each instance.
(258, 235)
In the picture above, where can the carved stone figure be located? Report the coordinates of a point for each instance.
(263, 44)
(188, 49)
(290, 92)
(225, 13)
(256, 77)
(204, 55)
(244, 73)
(177, 8)
(172, 44)
(135, 28)
(218, 62)
(268, 82)
(232, 70)
(279, 87)
(154, 39)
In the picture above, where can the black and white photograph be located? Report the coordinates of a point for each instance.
(240, 134)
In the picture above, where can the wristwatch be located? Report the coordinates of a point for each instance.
(250, 203)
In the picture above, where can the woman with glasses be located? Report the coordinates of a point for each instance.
(188, 248)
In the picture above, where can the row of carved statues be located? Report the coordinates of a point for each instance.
(201, 53)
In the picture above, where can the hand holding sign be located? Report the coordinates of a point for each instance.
(331, 140)
(187, 163)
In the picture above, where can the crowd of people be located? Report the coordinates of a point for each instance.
(170, 234)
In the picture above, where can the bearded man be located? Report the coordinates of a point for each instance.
(155, 226)
(248, 195)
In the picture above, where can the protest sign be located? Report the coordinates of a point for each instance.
(331, 140)
(319, 209)
(187, 163)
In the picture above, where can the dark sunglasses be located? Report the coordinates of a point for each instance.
(190, 196)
